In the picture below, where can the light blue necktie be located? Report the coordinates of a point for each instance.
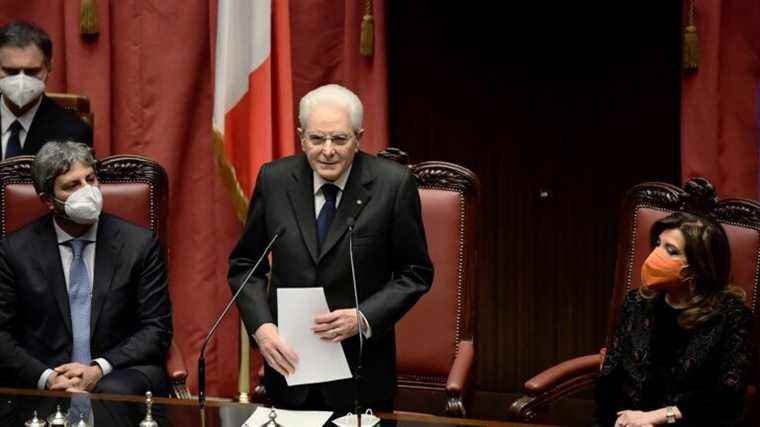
(79, 302)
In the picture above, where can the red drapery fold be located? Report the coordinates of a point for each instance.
(719, 120)
(148, 77)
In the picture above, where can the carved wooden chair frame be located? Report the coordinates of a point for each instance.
(446, 176)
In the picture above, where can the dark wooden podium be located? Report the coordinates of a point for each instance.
(17, 406)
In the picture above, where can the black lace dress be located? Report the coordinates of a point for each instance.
(652, 362)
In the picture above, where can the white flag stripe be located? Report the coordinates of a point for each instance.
(243, 43)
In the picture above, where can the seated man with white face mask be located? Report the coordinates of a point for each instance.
(84, 302)
(28, 118)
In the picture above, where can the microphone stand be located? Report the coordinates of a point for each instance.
(202, 357)
(357, 379)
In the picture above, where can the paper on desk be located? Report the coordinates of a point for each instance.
(318, 360)
(288, 418)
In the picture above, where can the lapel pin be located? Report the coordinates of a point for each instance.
(358, 202)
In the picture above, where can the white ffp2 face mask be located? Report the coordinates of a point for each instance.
(84, 205)
(21, 89)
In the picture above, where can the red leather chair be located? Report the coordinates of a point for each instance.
(435, 339)
(644, 204)
(77, 104)
(134, 188)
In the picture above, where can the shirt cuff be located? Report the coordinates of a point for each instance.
(42, 382)
(104, 365)
(365, 328)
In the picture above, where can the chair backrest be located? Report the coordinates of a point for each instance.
(134, 188)
(78, 104)
(646, 203)
(428, 336)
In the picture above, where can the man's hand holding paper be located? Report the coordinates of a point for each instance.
(336, 325)
(276, 352)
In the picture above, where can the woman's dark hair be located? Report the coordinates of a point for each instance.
(708, 256)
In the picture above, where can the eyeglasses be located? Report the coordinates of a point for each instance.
(338, 139)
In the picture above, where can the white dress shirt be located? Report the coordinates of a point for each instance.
(319, 202)
(7, 118)
(67, 256)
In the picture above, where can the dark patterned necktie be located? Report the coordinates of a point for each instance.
(14, 141)
(326, 215)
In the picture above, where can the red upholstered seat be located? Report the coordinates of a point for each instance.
(645, 204)
(134, 188)
(435, 340)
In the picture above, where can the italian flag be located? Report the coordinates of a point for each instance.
(253, 92)
(253, 119)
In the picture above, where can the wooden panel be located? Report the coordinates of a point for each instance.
(559, 108)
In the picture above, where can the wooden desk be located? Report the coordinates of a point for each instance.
(17, 406)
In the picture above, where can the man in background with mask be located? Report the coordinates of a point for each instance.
(28, 118)
(84, 303)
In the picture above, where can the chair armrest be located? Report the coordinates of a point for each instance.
(558, 381)
(177, 370)
(566, 370)
(260, 392)
(460, 370)
(459, 378)
(175, 364)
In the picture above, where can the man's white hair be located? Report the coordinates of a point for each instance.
(336, 96)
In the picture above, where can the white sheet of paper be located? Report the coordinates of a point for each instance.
(318, 361)
(288, 418)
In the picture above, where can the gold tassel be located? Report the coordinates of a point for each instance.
(690, 48)
(367, 41)
(690, 43)
(88, 18)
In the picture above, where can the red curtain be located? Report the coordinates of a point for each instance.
(148, 75)
(325, 38)
(719, 121)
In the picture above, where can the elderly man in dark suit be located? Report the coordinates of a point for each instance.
(28, 118)
(84, 304)
(315, 195)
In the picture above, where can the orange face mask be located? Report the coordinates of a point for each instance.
(660, 271)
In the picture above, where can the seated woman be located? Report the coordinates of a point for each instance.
(681, 352)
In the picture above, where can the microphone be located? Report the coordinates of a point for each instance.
(202, 358)
(357, 378)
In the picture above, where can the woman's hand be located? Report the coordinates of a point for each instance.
(641, 418)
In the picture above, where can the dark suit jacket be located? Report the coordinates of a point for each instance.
(707, 381)
(53, 122)
(390, 249)
(131, 313)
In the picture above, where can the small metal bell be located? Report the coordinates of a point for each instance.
(272, 419)
(35, 422)
(57, 419)
(81, 422)
(148, 421)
